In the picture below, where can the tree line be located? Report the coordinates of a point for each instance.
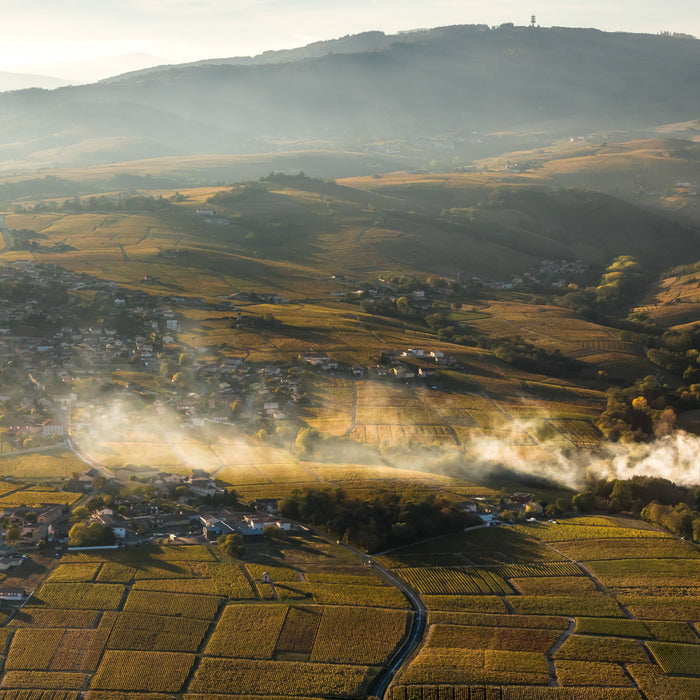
(384, 520)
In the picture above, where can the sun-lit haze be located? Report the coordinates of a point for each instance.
(155, 437)
(81, 41)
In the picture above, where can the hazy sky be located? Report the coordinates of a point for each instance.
(40, 32)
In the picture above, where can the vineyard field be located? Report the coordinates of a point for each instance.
(247, 631)
(677, 659)
(154, 671)
(357, 635)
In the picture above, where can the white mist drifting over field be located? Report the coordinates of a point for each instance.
(675, 457)
(126, 432)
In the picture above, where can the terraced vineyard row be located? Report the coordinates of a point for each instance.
(458, 580)
(564, 637)
(118, 623)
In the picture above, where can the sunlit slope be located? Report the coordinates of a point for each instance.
(659, 172)
(290, 235)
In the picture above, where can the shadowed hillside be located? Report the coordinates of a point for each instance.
(456, 80)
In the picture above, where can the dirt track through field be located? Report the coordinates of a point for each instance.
(553, 680)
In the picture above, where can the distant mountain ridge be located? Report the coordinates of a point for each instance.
(354, 43)
(343, 94)
(23, 81)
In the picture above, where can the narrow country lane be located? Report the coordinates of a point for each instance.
(7, 240)
(382, 682)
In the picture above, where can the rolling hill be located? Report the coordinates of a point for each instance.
(448, 81)
(289, 231)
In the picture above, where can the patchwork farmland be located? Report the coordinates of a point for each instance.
(512, 612)
(551, 621)
(173, 619)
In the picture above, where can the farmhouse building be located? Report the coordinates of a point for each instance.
(11, 593)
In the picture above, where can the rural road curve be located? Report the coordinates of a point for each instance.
(383, 680)
(5, 234)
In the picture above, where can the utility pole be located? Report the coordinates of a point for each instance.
(533, 21)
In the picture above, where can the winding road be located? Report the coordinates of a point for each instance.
(5, 234)
(382, 682)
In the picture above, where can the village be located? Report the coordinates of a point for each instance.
(48, 379)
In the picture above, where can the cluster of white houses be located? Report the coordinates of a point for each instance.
(251, 526)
